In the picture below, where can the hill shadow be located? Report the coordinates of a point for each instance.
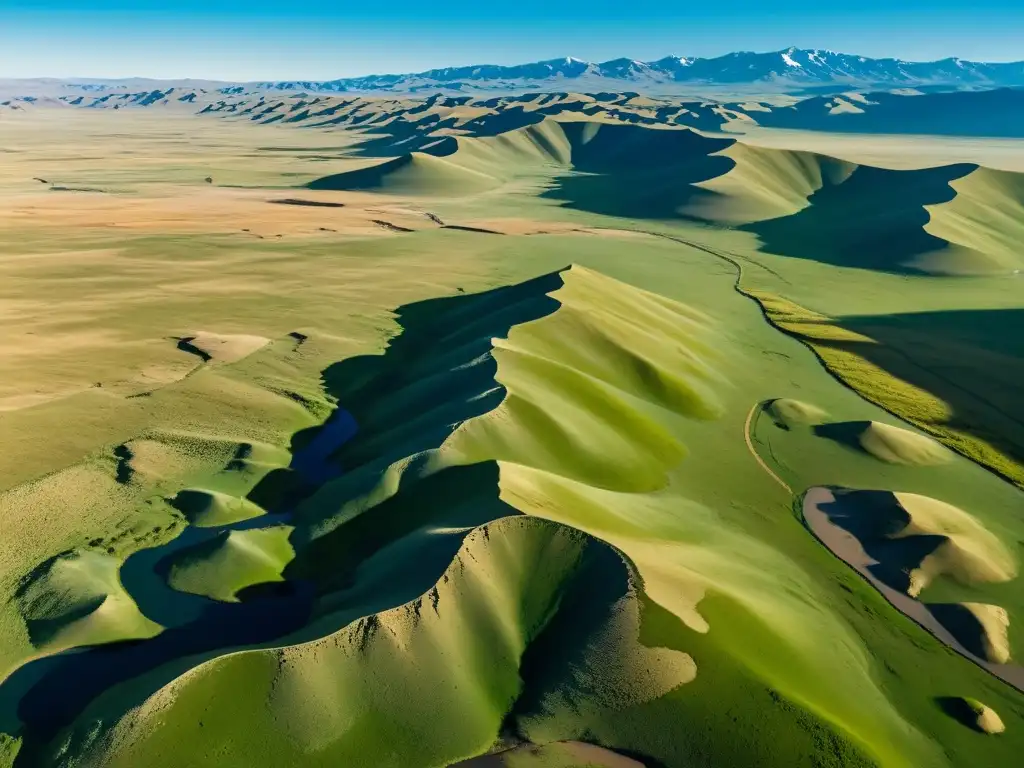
(993, 113)
(846, 433)
(872, 517)
(636, 172)
(872, 220)
(963, 625)
(973, 360)
(433, 374)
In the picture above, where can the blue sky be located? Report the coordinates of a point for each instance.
(257, 39)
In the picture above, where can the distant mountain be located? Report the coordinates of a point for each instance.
(793, 69)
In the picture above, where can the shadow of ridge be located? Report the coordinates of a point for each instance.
(454, 497)
(52, 703)
(962, 624)
(990, 113)
(371, 177)
(601, 580)
(309, 203)
(958, 708)
(873, 517)
(185, 345)
(125, 674)
(639, 173)
(972, 360)
(867, 514)
(846, 433)
(873, 219)
(434, 334)
(111, 680)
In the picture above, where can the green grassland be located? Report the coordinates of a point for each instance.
(554, 522)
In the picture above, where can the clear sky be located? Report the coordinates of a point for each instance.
(323, 39)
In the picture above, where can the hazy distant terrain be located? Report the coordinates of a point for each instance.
(985, 113)
(551, 429)
(793, 70)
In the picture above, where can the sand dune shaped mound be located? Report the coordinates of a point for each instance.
(572, 378)
(969, 552)
(974, 714)
(77, 599)
(234, 560)
(981, 628)
(208, 509)
(901, 446)
(413, 174)
(893, 445)
(917, 540)
(766, 183)
(789, 413)
(220, 347)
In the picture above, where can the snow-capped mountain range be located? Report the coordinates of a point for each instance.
(793, 68)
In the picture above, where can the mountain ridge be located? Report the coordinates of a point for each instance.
(788, 67)
(791, 69)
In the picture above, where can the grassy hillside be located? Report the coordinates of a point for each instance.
(950, 220)
(496, 451)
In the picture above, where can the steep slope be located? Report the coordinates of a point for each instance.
(511, 556)
(949, 220)
(227, 564)
(77, 600)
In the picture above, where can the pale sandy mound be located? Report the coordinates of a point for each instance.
(208, 509)
(969, 552)
(987, 720)
(793, 413)
(995, 624)
(900, 446)
(982, 629)
(222, 348)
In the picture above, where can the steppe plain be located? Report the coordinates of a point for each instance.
(537, 431)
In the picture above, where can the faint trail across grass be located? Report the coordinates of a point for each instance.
(751, 421)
